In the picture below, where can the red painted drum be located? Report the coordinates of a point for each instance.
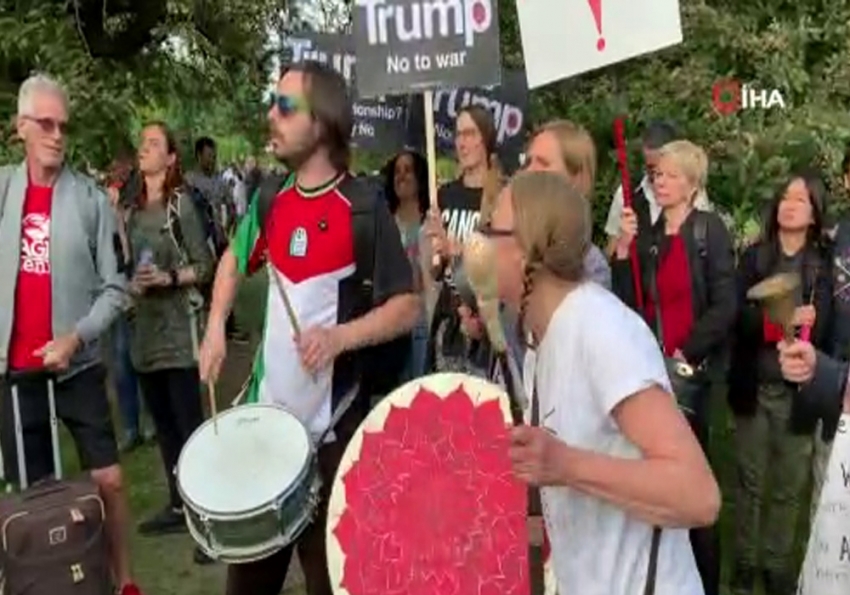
(424, 500)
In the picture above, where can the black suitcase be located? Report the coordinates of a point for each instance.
(52, 534)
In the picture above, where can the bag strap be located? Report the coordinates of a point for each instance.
(653, 293)
(175, 226)
(652, 569)
(536, 568)
(701, 242)
(268, 190)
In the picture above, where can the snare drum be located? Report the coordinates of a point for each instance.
(252, 488)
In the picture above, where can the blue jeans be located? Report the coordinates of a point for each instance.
(126, 382)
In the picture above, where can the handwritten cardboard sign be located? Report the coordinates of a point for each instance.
(826, 569)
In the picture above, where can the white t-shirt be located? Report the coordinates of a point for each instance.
(597, 352)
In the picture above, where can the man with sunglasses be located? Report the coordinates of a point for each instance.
(60, 291)
(334, 254)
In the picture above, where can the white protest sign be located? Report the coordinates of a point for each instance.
(826, 569)
(563, 38)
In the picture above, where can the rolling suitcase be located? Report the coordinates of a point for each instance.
(52, 534)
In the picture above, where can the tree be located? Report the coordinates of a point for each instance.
(799, 47)
(119, 56)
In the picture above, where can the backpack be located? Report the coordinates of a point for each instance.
(381, 366)
(213, 232)
(203, 293)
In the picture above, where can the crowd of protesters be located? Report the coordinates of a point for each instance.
(161, 234)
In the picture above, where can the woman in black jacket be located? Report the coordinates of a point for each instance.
(687, 267)
(774, 422)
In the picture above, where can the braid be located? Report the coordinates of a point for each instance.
(531, 269)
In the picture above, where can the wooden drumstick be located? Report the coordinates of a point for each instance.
(213, 406)
(431, 157)
(290, 311)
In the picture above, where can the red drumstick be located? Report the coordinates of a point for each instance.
(623, 162)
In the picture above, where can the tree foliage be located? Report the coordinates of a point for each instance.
(202, 65)
(194, 62)
(801, 48)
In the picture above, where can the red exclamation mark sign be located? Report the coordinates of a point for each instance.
(596, 9)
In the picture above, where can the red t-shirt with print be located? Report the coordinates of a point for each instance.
(32, 325)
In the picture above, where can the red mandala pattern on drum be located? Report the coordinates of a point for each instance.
(432, 505)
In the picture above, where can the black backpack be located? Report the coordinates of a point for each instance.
(381, 366)
(214, 234)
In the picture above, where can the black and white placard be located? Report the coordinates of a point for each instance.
(380, 124)
(415, 45)
(508, 102)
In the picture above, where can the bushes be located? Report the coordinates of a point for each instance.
(803, 49)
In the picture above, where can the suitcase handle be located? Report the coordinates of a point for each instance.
(43, 488)
(14, 379)
(31, 375)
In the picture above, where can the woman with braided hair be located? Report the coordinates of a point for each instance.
(615, 458)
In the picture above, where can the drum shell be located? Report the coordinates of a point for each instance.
(256, 533)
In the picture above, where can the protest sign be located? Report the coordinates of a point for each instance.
(826, 568)
(507, 101)
(562, 38)
(380, 124)
(416, 45)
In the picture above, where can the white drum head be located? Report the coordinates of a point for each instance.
(259, 451)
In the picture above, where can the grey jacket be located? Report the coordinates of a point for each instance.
(88, 291)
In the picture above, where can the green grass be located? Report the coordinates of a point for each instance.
(164, 565)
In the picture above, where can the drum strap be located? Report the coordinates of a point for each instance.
(536, 569)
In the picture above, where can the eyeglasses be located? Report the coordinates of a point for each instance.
(288, 104)
(49, 125)
(488, 231)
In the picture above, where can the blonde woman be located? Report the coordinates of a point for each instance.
(615, 457)
(564, 147)
(687, 265)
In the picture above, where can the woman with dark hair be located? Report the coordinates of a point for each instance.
(464, 204)
(774, 422)
(406, 192)
(169, 259)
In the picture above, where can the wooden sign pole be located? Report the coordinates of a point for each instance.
(431, 157)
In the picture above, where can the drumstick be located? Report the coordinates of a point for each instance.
(213, 407)
(290, 311)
